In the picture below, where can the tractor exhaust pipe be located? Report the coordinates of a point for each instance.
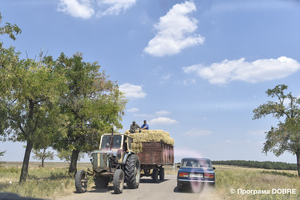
(111, 138)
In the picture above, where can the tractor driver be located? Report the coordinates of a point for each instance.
(134, 127)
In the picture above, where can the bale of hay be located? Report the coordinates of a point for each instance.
(137, 147)
(151, 136)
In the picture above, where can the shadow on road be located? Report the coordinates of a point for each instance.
(201, 189)
(183, 190)
(149, 180)
(13, 196)
(111, 190)
(104, 190)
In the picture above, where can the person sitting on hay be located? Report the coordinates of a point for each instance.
(145, 126)
(134, 127)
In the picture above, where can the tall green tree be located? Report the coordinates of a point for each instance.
(29, 97)
(29, 94)
(10, 29)
(93, 104)
(42, 154)
(286, 136)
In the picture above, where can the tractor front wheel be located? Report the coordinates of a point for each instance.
(81, 181)
(118, 181)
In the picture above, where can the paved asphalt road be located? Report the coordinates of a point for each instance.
(147, 191)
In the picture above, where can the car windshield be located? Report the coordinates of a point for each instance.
(116, 143)
(195, 163)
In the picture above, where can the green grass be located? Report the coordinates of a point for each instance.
(52, 181)
(49, 182)
(247, 179)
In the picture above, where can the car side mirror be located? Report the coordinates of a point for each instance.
(214, 168)
(178, 166)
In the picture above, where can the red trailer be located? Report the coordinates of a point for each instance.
(153, 157)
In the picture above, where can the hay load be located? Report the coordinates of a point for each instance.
(149, 136)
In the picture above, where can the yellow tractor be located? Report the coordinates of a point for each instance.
(114, 162)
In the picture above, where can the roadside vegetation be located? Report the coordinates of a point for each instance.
(257, 164)
(49, 182)
(53, 181)
(230, 179)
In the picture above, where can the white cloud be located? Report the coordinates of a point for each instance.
(254, 5)
(175, 31)
(184, 152)
(195, 132)
(163, 120)
(76, 8)
(162, 112)
(240, 70)
(87, 8)
(115, 6)
(133, 110)
(238, 141)
(166, 77)
(130, 90)
(189, 81)
(258, 132)
(145, 116)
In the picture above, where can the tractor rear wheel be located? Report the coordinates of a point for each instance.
(162, 174)
(81, 181)
(133, 172)
(118, 181)
(155, 176)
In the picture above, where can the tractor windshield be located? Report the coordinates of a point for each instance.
(116, 142)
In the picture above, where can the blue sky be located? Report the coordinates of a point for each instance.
(195, 69)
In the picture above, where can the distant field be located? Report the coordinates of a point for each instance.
(231, 182)
(47, 164)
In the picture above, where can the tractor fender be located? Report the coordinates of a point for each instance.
(126, 156)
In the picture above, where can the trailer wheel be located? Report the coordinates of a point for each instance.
(101, 182)
(155, 176)
(81, 181)
(162, 174)
(118, 181)
(133, 172)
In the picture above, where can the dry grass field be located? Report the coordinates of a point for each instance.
(52, 181)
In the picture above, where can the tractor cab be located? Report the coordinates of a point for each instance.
(118, 141)
(112, 152)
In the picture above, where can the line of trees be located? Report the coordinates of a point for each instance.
(63, 103)
(257, 164)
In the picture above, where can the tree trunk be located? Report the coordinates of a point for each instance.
(43, 157)
(24, 171)
(298, 162)
(73, 164)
